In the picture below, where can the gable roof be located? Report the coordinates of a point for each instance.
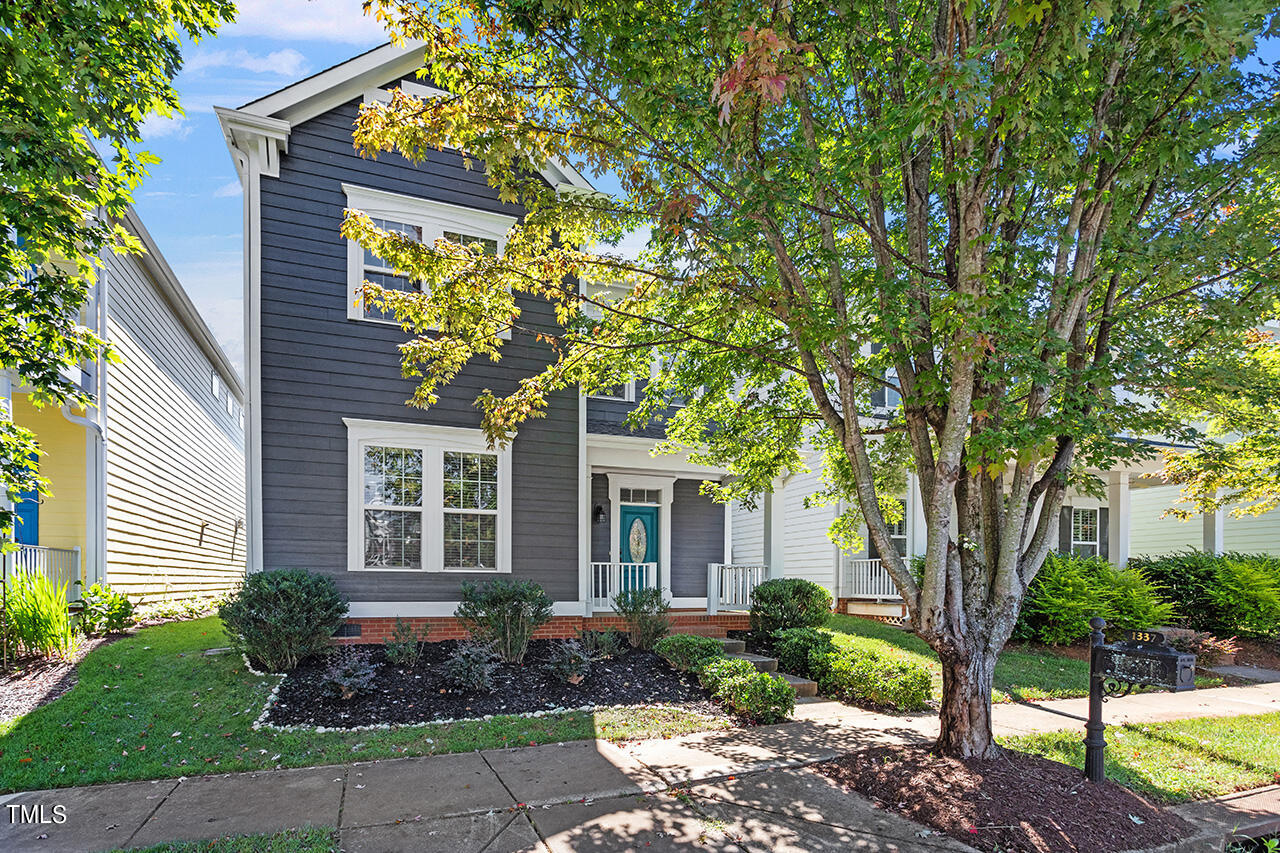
(334, 86)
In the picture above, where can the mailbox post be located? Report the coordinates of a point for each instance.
(1143, 659)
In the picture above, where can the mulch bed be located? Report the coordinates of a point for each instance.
(1260, 653)
(32, 681)
(422, 695)
(1017, 804)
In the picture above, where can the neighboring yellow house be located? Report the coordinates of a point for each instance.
(146, 487)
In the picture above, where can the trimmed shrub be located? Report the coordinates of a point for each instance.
(350, 672)
(277, 618)
(795, 648)
(404, 647)
(866, 677)
(687, 652)
(569, 662)
(104, 611)
(746, 691)
(783, 603)
(1235, 593)
(601, 645)
(645, 612)
(1070, 590)
(504, 614)
(38, 618)
(1207, 648)
(472, 668)
(852, 672)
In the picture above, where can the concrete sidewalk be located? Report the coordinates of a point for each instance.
(743, 789)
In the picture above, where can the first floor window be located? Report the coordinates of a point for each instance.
(427, 498)
(1084, 531)
(470, 511)
(392, 508)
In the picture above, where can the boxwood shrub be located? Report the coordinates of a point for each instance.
(756, 695)
(851, 671)
(687, 652)
(279, 617)
(782, 603)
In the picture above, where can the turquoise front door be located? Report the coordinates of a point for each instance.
(639, 532)
(27, 508)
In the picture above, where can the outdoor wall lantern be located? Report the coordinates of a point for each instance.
(600, 515)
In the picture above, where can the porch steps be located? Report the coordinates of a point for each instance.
(733, 647)
(760, 662)
(803, 686)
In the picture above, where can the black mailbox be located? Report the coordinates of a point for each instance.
(1145, 659)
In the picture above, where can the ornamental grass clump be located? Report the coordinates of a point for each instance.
(279, 617)
(503, 614)
(38, 618)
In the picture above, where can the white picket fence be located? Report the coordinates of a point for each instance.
(60, 565)
(609, 579)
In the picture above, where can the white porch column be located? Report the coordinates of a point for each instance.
(1213, 524)
(1118, 518)
(775, 531)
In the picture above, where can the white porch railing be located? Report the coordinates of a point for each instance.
(60, 565)
(729, 586)
(868, 579)
(609, 579)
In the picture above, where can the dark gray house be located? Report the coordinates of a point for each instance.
(400, 505)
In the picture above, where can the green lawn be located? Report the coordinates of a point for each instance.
(1023, 672)
(1183, 760)
(153, 706)
(312, 839)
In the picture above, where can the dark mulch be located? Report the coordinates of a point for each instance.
(422, 695)
(1260, 653)
(32, 681)
(1017, 804)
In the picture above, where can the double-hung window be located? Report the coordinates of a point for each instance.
(427, 498)
(421, 221)
(898, 531)
(1084, 531)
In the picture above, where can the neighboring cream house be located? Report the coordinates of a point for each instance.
(146, 487)
(793, 541)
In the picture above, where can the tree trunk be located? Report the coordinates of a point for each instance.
(967, 675)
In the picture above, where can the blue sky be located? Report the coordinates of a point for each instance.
(191, 200)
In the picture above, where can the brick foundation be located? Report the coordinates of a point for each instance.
(378, 629)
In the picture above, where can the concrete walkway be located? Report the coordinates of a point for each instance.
(740, 790)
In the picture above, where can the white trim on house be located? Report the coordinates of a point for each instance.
(628, 393)
(427, 609)
(373, 69)
(584, 512)
(434, 442)
(433, 217)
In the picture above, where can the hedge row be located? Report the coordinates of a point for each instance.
(853, 672)
(1234, 594)
(733, 682)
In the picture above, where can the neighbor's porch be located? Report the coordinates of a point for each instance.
(52, 530)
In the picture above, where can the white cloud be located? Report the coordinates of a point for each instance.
(341, 21)
(227, 190)
(285, 63)
(157, 127)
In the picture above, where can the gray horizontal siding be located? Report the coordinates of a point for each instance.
(318, 367)
(600, 530)
(697, 538)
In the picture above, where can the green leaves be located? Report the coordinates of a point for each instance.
(74, 71)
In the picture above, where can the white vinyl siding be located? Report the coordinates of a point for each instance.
(175, 468)
(809, 553)
(1152, 536)
(748, 535)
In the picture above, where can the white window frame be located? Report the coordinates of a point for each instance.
(1097, 532)
(628, 393)
(433, 217)
(433, 441)
(904, 536)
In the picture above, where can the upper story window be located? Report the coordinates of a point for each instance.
(426, 498)
(624, 391)
(1084, 531)
(421, 221)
